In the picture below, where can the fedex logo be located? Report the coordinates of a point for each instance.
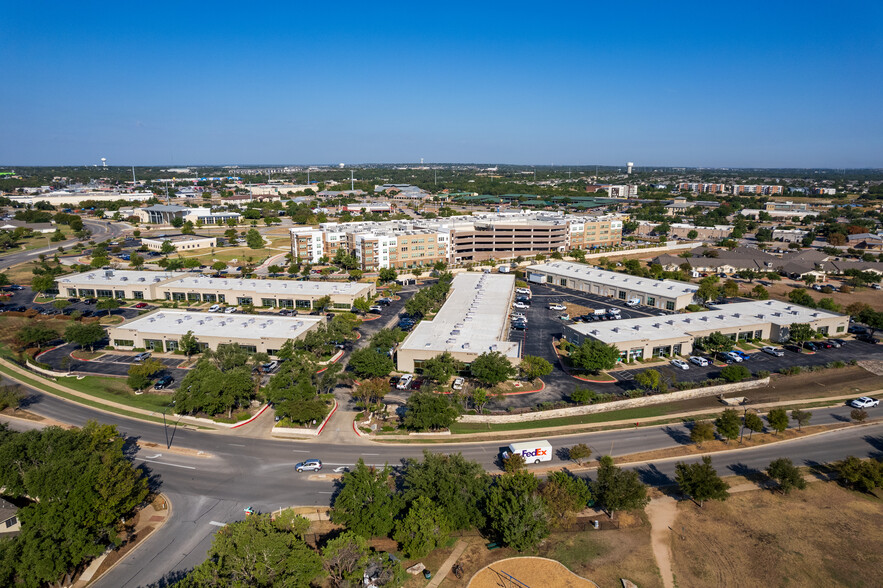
(535, 453)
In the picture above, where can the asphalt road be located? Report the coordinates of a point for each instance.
(207, 492)
(101, 231)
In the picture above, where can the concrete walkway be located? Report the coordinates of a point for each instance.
(662, 512)
(445, 568)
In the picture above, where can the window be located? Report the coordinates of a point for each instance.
(823, 330)
(676, 349)
(758, 334)
(840, 329)
(123, 343)
(193, 297)
(341, 305)
(153, 344)
(286, 303)
(243, 300)
(71, 291)
(105, 294)
(268, 302)
(669, 305)
(250, 348)
(11, 522)
(209, 298)
(563, 282)
(303, 304)
(651, 301)
(87, 292)
(662, 351)
(222, 298)
(171, 345)
(138, 295)
(178, 296)
(744, 336)
(622, 294)
(548, 279)
(168, 296)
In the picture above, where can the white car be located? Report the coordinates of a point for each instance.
(214, 308)
(700, 361)
(733, 356)
(405, 382)
(230, 310)
(772, 350)
(557, 306)
(458, 383)
(613, 311)
(521, 305)
(680, 363)
(864, 402)
(522, 291)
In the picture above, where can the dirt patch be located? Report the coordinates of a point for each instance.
(21, 414)
(529, 571)
(662, 513)
(822, 536)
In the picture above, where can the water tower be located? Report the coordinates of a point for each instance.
(103, 162)
(629, 167)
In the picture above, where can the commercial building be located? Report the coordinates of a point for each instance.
(74, 197)
(676, 334)
(195, 288)
(456, 239)
(180, 242)
(664, 294)
(164, 214)
(162, 330)
(473, 320)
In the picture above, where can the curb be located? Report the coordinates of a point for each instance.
(328, 418)
(259, 413)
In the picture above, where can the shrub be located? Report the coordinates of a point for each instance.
(583, 396)
(735, 373)
(792, 370)
(763, 374)
(837, 364)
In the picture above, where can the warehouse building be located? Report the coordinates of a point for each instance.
(196, 288)
(162, 330)
(473, 320)
(664, 294)
(675, 334)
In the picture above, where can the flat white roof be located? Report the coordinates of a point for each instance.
(239, 327)
(100, 277)
(280, 287)
(582, 271)
(472, 320)
(740, 314)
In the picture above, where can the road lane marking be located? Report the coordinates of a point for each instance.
(154, 456)
(174, 465)
(372, 454)
(299, 451)
(236, 444)
(217, 524)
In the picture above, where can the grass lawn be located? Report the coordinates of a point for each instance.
(614, 415)
(116, 390)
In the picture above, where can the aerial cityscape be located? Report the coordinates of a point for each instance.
(441, 296)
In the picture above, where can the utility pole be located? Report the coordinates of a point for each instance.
(352, 181)
(134, 181)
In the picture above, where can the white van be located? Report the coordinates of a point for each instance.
(613, 311)
(405, 382)
(531, 451)
(633, 302)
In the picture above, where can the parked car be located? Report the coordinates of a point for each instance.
(214, 308)
(733, 356)
(521, 305)
(632, 302)
(825, 344)
(287, 312)
(164, 382)
(519, 326)
(791, 347)
(458, 383)
(376, 308)
(741, 354)
(522, 291)
(864, 402)
(680, 363)
(230, 310)
(613, 311)
(810, 346)
(868, 338)
(838, 342)
(404, 382)
(309, 465)
(772, 350)
(141, 356)
(557, 306)
(269, 367)
(417, 383)
(141, 305)
(856, 329)
(15, 287)
(90, 301)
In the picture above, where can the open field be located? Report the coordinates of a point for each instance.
(822, 536)
(528, 570)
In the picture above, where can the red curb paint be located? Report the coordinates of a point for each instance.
(328, 418)
(260, 412)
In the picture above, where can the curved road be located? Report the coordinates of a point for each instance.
(207, 492)
(101, 231)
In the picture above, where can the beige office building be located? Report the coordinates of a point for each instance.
(674, 334)
(473, 320)
(664, 294)
(161, 330)
(180, 242)
(119, 284)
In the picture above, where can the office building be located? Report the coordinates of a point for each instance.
(164, 214)
(473, 320)
(664, 294)
(671, 335)
(180, 242)
(161, 330)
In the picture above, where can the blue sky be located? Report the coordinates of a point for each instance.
(767, 84)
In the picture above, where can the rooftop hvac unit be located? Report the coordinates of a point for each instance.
(124, 279)
(465, 345)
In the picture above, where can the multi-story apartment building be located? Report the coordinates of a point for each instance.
(757, 189)
(458, 239)
(702, 188)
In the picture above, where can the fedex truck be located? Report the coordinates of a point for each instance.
(531, 451)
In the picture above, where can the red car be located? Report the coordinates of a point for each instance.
(141, 305)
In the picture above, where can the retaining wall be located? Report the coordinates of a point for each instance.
(615, 405)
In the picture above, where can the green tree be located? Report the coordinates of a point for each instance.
(651, 381)
(429, 411)
(423, 529)
(700, 481)
(692, 234)
(84, 335)
(361, 304)
(220, 382)
(457, 485)
(800, 296)
(701, 432)
(753, 423)
(579, 452)
(367, 503)
(141, 374)
(177, 222)
(345, 559)
(786, 475)
(136, 261)
(708, 289)
(187, 228)
(108, 304)
(564, 495)
(800, 332)
(760, 293)
(594, 356)
(491, 368)
(778, 419)
(219, 266)
(440, 368)
(386, 274)
(167, 248)
(616, 489)
(370, 363)
(253, 239)
(256, 552)
(858, 415)
(516, 512)
(35, 335)
(188, 344)
(864, 475)
(735, 373)
(43, 283)
(479, 398)
(730, 289)
(728, 424)
(532, 367)
(322, 303)
(717, 342)
(801, 417)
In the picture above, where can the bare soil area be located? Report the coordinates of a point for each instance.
(822, 536)
(530, 571)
